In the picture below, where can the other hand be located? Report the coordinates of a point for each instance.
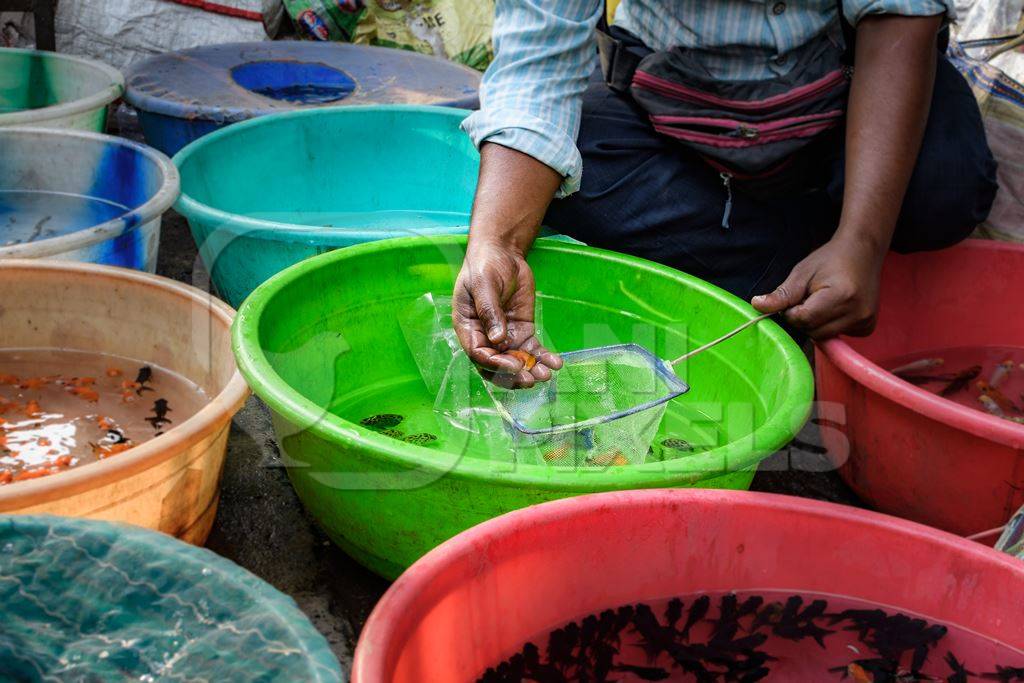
(833, 291)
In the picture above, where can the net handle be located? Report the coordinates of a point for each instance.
(715, 342)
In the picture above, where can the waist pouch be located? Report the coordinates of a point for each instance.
(749, 131)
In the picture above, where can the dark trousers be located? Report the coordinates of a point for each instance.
(644, 194)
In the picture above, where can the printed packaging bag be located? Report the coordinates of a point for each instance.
(458, 30)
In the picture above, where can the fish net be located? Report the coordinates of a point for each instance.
(603, 407)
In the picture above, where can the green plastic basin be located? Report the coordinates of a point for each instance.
(321, 345)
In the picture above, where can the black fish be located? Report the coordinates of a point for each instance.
(1005, 674)
(698, 610)
(160, 410)
(384, 421)
(143, 378)
(960, 673)
(674, 612)
(116, 436)
(961, 380)
(421, 439)
(675, 444)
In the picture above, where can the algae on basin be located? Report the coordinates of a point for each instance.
(53, 90)
(320, 343)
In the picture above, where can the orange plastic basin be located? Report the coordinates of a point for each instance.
(170, 483)
(903, 449)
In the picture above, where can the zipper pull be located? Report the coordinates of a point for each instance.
(727, 181)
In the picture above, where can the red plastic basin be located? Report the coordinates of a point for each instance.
(903, 449)
(474, 600)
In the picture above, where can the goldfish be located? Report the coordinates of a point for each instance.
(918, 366)
(6, 477)
(858, 674)
(85, 393)
(62, 461)
(43, 441)
(34, 382)
(1000, 372)
(1005, 404)
(557, 453)
(33, 474)
(610, 458)
(9, 379)
(104, 423)
(102, 451)
(527, 359)
(991, 406)
(32, 409)
(114, 372)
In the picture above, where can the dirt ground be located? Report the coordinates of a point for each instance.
(262, 526)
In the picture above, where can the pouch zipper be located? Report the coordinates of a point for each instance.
(727, 181)
(745, 136)
(677, 91)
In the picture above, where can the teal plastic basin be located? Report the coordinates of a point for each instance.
(321, 345)
(85, 600)
(264, 194)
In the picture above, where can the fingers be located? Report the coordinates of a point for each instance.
(829, 312)
(487, 301)
(791, 292)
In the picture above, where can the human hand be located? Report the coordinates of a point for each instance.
(492, 313)
(833, 291)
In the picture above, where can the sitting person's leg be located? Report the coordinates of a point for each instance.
(643, 194)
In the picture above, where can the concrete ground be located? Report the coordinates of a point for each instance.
(262, 526)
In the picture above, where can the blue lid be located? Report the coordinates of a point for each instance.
(239, 81)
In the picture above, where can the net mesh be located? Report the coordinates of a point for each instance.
(603, 407)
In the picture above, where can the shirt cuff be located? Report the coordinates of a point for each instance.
(531, 135)
(855, 11)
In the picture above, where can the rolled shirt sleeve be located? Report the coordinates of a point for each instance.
(530, 96)
(855, 10)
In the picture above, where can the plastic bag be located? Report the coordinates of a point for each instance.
(1001, 100)
(457, 30)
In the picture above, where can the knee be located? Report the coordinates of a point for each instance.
(945, 208)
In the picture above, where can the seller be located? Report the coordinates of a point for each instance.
(776, 148)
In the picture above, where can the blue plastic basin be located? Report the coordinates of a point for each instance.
(81, 196)
(182, 96)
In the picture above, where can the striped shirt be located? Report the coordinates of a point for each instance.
(545, 51)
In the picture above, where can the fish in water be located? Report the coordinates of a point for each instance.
(1005, 404)
(393, 433)
(1000, 373)
(159, 418)
(675, 444)
(961, 380)
(1005, 673)
(918, 366)
(142, 379)
(383, 421)
(421, 439)
(991, 406)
